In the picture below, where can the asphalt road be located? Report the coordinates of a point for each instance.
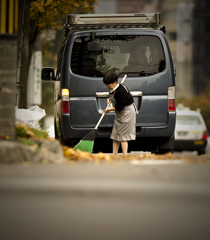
(123, 200)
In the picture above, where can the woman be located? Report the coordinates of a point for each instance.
(124, 128)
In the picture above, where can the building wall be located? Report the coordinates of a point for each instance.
(8, 63)
(7, 86)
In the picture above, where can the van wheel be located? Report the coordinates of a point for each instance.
(164, 151)
(55, 130)
(73, 143)
(64, 142)
(68, 142)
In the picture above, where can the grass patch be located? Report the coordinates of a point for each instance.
(26, 141)
(40, 133)
(21, 132)
(24, 131)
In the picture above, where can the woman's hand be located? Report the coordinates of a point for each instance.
(106, 111)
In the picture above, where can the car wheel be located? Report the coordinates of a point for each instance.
(200, 152)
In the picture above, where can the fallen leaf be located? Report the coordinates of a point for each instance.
(4, 137)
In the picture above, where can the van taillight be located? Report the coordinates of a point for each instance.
(65, 100)
(204, 137)
(171, 99)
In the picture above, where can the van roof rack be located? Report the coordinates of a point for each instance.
(98, 21)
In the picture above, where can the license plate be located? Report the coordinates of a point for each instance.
(182, 133)
(198, 142)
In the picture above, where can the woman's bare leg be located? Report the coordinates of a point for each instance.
(116, 145)
(124, 145)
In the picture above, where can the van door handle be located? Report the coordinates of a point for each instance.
(102, 94)
(136, 93)
(106, 94)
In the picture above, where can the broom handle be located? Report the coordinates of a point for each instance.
(108, 106)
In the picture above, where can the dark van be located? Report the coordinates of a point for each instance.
(131, 44)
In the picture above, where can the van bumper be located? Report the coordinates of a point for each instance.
(78, 133)
(190, 145)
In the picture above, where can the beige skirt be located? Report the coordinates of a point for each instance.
(124, 124)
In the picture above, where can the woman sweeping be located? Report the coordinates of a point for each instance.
(124, 128)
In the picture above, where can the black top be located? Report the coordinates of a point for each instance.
(123, 97)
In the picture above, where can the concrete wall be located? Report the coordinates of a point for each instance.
(8, 61)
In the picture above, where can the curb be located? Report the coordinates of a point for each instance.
(46, 151)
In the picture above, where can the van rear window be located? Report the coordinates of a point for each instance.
(187, 120)
(134, 55)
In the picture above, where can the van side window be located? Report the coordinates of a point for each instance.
(135, 55)
(59, 61)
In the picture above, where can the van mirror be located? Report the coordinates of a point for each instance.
(94, 46)
(48, 74)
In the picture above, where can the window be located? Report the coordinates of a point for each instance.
(187, 120)
(134, 55)
(59, 61)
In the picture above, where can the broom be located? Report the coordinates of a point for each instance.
(87, 142)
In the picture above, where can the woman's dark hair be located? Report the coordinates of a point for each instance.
(110, 78)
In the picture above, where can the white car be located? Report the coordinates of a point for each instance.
(190, 132)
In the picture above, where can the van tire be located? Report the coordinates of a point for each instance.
(202, 151)
(67, 142)
(164, 151)
(55, 131)
(167, 146)
(62, 141)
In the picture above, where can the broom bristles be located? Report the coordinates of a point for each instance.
(87, 143)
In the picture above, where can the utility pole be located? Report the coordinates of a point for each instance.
(23, 52)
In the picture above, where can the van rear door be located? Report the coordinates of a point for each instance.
(142, 55)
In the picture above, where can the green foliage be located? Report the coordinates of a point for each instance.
(28, 136)
(40, 133)
(23, 131)
(26, 141)
(50, 14)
